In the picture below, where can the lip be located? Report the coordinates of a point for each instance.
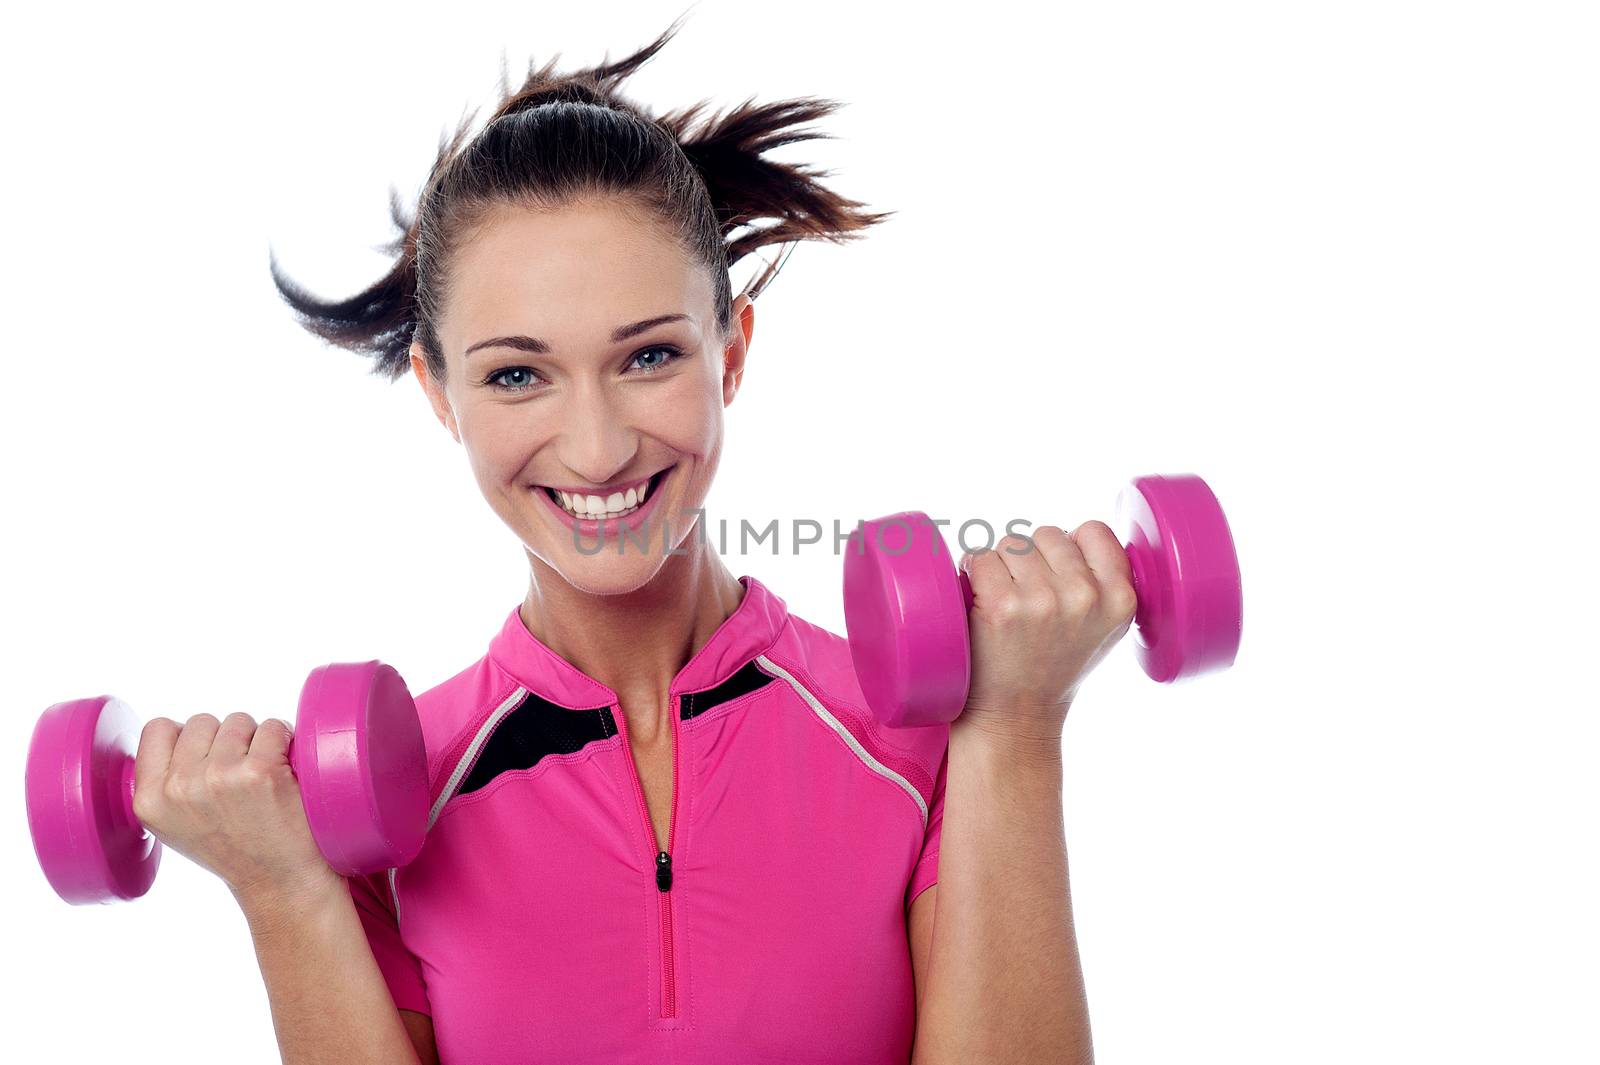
(602, 492)
(608, 527)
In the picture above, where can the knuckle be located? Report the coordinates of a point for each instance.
(201, 720)
(157, 733)
(1007, 609)
(1016, 544)
(239, 717)
(1122, 601)
(988, 561)
(1038, 603)
(253, 773)
(1094, 527)
(1080, 594)
(147, 803)
(1038, 612)
(178, 789)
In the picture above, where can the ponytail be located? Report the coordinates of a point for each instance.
(560, 136)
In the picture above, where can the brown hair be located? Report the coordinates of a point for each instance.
(564, 136)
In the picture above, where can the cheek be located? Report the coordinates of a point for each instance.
(499, 442)
(688, 418)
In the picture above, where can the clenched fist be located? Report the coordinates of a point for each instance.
(223, 795)
(1045, 610)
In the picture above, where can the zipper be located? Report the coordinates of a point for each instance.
(669, 1004)
(662, 860)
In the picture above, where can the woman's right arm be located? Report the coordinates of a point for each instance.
(330, 1004)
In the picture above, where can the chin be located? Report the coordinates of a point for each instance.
(599, 575)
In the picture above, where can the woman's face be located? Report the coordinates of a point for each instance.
(569, 402)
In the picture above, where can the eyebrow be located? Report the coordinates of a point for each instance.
(538, 347)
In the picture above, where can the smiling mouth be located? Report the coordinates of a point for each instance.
(598, 508)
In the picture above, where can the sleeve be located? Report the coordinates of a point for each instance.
(926, 872)
(400, 968)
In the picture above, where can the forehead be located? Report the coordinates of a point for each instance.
(573, 273)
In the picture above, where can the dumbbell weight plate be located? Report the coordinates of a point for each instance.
(79, 782)
(1186, 576)
(363, 772)
(907, 621)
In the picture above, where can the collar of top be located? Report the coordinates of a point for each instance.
(750, 630)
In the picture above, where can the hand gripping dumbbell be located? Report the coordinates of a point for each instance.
(905, 603)
(357, 753)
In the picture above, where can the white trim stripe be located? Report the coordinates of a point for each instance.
(472, 752)
(845, 734)
(394, 895)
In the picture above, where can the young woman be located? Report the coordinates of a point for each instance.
(663, 825)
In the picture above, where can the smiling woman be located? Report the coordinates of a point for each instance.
(660, 825)
(563, 298)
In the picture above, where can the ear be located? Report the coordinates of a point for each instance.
(434, 391)
(733, 356)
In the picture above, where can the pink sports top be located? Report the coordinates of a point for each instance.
(544, 922)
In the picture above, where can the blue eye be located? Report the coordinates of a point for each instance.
(494, 379)
(667, 354)
(671, 354)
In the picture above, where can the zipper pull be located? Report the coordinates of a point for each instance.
(664, 871)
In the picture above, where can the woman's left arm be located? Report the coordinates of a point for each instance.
(1003, 980)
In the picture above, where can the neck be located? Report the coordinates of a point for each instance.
(635, 642)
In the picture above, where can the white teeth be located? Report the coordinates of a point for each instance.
(613, 506)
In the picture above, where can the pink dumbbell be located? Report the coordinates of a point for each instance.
(905, 603)
(357, 753)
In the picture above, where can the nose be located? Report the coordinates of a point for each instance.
(597, 440)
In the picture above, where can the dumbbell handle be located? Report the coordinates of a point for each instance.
(125, 794)
(1137, 560)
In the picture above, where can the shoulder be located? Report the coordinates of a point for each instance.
(815, 663)
(820, 658)
(453, 710)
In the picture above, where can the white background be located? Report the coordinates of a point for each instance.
(1339, 259)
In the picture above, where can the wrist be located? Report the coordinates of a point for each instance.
(269, 906)
(1028, 745)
